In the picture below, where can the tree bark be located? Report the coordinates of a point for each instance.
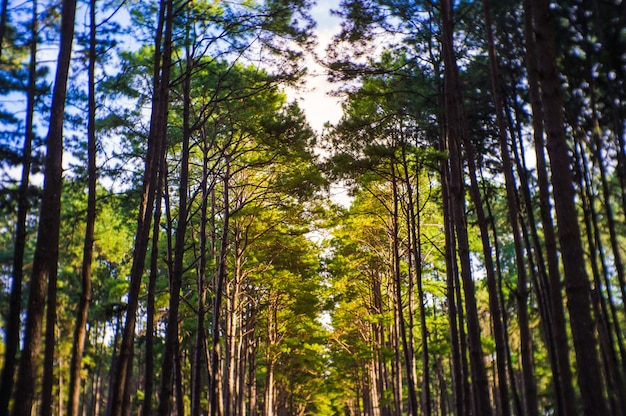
(80, 329)
(13, 320)
(451, 271)
(412, 396)
(566, 402)
(156, 147)
(457, 134)
(219, 289)
(47, 247)
(171, 335)
(530, 385)
(577, 284)
(199, 350)
(146, 409)
(415, 232)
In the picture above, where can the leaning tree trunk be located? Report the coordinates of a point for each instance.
(44, 270)
(451, 270)
(414, 225)
(148, 389)
(457, 134)
(492, 286)
(563, 378)
(596, 249)
(577, 284)
(219, 291)
(171, 335)
(156, 147)
(530, 386)
(80, 329)
(13, 319)
(406, 348)
(199, 349)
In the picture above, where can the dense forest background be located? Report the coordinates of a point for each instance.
(169, 244)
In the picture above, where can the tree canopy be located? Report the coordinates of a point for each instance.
(171, 243)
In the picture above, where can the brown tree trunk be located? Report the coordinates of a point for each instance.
(606, 337)
(44, 269)
(13, 319)
(401, 326)
(148, 388)
(219, 291)
(516, 399)
(156, 147)
(199, 351)
(457, 134)
(577, 284)
(171, 335)
(415, 232)
(85, 296)
(539, 275)
(451, 271)
(492, 286)
(563, 379)
(530, 385)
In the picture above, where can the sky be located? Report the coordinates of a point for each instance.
(313, 98)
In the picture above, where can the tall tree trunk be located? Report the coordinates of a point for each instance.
(44, 269)
(516, 399)
(148, 389)
(451, 271)
(492, 286)
(566, 402)
(610, 217)
(13, 319)
(539, 275)
(457, 134)
(415, 231)
(530, 385)
(412, 396)
(219, 291)
(171, 335)
(606, 336)
(85, 297)
(156, 147)
(577, 284)
(199, 349)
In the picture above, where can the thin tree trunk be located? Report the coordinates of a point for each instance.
(530, 385)
(412, 396)
(414, 224)
(85, 296)
(156, 147)
(516, 399)
(457, 134)
(219, 289)
(566, 402)
(596, 251)
(577, 284)
(492, 286)
(199, 346)
(540, 277)
(171, 335)
(44, 269)
(613, 237)
(13, 319)
(146, 409)
(451, 270)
